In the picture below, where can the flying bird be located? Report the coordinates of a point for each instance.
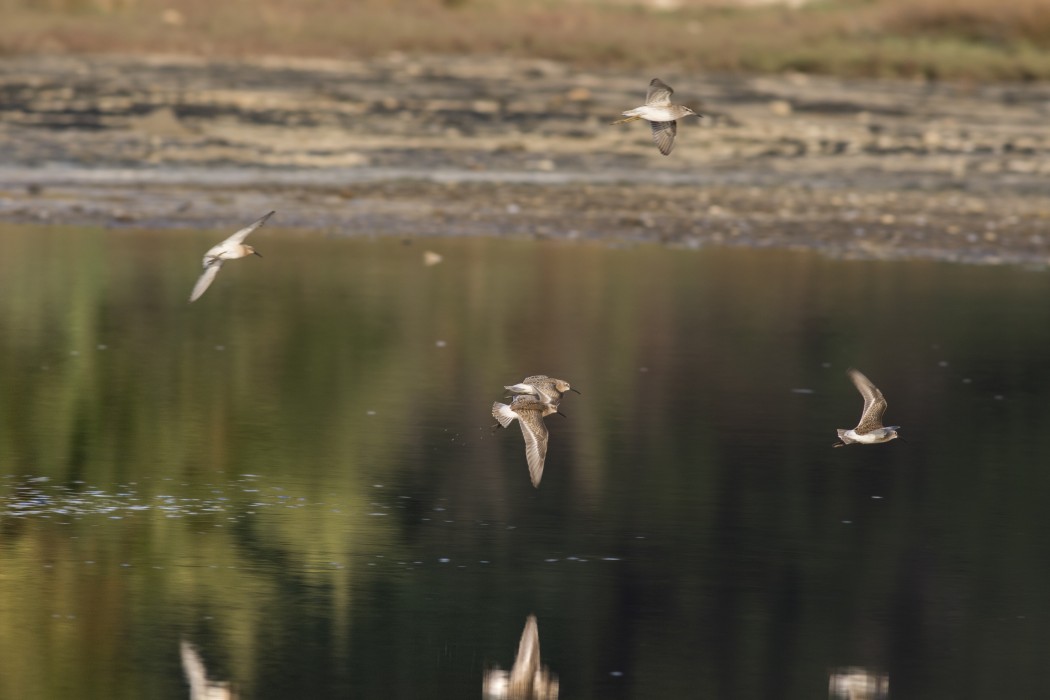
(230, 249)
(529, 412)
(662, 115)
(870, 429)
(546, 389)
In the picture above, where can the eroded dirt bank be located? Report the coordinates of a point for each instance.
(464, 146)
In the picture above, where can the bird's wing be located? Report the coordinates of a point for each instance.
(874, 403)
(205, 280)
(239, 237)
(528, 660)
(534, 378)
(535, 432)
(659, 93)
(663, 135)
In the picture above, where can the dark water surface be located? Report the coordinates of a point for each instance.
(296, 473)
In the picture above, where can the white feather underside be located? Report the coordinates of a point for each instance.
(205, 280)
(654, 113)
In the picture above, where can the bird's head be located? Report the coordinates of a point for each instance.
(563, 386)
(252, 250)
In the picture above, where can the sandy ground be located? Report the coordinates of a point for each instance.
(465, 146)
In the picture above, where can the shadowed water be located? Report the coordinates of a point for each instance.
(296, 478)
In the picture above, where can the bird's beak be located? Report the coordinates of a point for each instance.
(562, 414)
(255, 252)
(576, 390)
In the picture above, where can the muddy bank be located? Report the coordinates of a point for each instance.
(419, 147)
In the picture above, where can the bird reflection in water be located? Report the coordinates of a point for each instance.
(197, 676)
(856, 683)
(527, 678)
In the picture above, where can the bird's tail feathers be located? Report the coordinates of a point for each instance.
(502, 413)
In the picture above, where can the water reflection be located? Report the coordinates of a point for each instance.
(528, 678)
(856, 683)
(298, 472)
(201, 687)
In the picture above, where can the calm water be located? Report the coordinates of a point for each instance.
(296, 474)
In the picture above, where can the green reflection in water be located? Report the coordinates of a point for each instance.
(296, 473)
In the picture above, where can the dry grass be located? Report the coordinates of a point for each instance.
(979, 21)
(955, 39)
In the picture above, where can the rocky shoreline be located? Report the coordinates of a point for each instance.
(431, 146)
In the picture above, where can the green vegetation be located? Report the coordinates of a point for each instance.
(943, 39)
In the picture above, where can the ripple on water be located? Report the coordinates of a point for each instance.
(38, 497)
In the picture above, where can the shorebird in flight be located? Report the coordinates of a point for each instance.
(546, 389)
(230, 249)
(870, 429)
(529, 411)
(662, 115)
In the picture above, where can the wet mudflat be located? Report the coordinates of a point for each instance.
(460, 146)
(296, 474)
